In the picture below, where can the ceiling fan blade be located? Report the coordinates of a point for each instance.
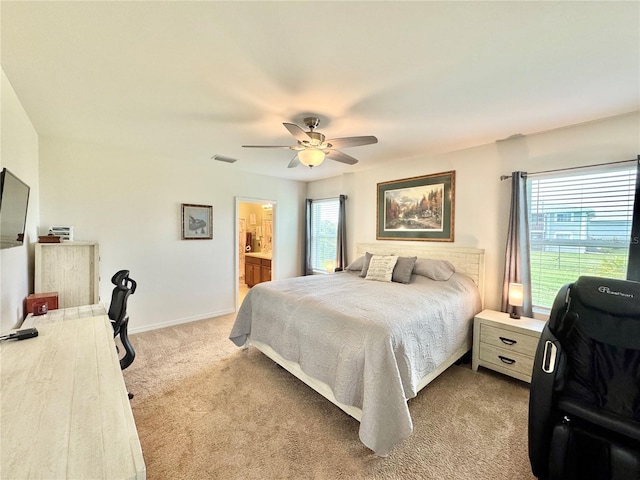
(295, 161)
(340, 157)
(297, 132)
(266, 146)
(352, 141)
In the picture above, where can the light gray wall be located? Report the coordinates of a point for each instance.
(481, 199)
(18, 153)
(129, 202)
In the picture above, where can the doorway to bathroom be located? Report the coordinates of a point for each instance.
(255, 244)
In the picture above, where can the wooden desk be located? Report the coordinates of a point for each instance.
(64, 408)
(61, 314)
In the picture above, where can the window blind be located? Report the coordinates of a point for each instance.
(579, 224)
(324, 234)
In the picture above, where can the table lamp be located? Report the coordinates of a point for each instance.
(516, 298)
(330, 266)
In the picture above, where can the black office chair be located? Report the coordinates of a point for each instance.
(124, 286)
(584, 405)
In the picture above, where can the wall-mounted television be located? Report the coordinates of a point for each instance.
(14, 200)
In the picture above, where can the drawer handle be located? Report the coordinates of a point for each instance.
(507, 360)
(508, 341)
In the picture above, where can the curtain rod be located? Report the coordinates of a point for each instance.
(505, 177)
(329, 198)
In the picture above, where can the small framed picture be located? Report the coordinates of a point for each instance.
(197, 222)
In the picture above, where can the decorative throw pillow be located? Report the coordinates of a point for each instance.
(403, 269)
(440, 270)
(381, 268)
(356, 265)
(365, 265)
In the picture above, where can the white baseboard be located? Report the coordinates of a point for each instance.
(179, 321)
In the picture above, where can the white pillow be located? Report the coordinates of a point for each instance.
(381, 268)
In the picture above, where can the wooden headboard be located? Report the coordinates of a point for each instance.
(469, 261)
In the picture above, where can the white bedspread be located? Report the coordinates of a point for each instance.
(371, 342)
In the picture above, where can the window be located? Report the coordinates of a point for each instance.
(580, 224)
(324, 234)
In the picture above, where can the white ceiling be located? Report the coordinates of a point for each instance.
(193, 79)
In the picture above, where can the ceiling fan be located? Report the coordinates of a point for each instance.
(312, 147)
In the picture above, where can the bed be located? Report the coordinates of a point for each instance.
(369, 346)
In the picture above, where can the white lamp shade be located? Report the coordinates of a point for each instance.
(516, 294)
(311, 157)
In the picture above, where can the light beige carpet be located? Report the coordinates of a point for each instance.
(207, 409)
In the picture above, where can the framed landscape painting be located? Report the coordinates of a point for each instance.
(197, 222)
(418, 208)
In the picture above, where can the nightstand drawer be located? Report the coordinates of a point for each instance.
(505, 344)
(508, 340)
(507, 359)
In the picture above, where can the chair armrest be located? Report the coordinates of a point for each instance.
(627, 427)
(548, 367)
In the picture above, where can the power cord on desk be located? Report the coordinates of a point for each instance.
(20, 334)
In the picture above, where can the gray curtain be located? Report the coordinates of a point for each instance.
(306, 264)
(517, 268)
(341, 250)
(633, 267)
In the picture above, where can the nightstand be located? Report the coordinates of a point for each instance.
(504, 344)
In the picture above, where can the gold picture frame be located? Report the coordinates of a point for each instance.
(417, 208)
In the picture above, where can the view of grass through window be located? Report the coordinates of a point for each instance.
(579, 224)
(324, 234)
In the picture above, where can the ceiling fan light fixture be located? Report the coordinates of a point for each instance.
(311, 157)
(312, 147)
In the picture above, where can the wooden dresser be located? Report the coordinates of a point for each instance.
(69, 268)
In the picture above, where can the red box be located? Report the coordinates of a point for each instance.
(39, 299)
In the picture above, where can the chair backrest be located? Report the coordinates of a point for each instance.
(584, 404)
(598, 325)
(124, 286)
